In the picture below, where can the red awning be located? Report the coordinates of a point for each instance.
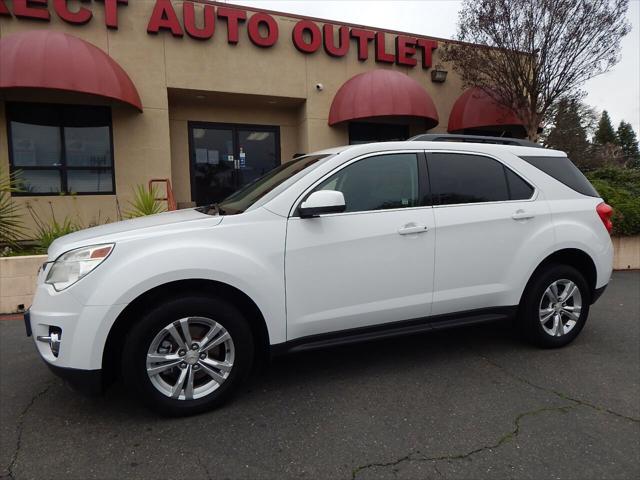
(474, 109)
(55, 60)
(382, 93)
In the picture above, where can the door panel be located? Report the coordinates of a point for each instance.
(370, 265)
(481, 253)
(354, 270)
(484, 233)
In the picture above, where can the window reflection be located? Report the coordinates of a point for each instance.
(61, 148)
(35, 145)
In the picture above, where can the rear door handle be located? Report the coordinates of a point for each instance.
(522, 215)
(412, 228)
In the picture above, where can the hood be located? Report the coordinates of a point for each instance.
(128, 229)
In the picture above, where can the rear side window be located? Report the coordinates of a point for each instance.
(460, 178)
(564, 171)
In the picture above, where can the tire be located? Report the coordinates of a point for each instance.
(217, 366)
(539, 307)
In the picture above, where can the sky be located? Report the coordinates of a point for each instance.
(617, 91)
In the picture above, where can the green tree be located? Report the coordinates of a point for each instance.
(628, 142)
(571, 121)
(604, 133)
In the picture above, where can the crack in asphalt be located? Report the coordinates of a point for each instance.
(576, 402)
(25, 410)
(561, 395)
(205, 468)
(416, 457)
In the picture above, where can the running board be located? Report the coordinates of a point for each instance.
(394, 329)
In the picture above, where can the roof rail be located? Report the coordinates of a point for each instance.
(448, 137)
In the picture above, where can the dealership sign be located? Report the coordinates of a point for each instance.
(260, 27)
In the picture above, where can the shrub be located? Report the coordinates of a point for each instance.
(144, 203)
(620, 188)
(11, 224)
(46, 233)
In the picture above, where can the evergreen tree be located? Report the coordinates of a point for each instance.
(628, 142)
(569, 131)
(604, 133)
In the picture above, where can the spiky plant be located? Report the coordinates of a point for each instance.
(11, 225)
(144, 203)
(47, 232)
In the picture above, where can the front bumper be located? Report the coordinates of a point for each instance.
(79, 332)
(88, 382)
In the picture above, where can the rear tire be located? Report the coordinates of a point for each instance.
(555, 306)
(187, 355)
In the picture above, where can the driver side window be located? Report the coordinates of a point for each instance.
(380, 182)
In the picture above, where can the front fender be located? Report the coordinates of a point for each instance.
(250, 261)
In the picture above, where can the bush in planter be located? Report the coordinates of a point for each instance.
(144, 203)
(48, 232)
(11, 224)
(620, 188)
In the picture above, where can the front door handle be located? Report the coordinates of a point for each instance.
(410, 228)
(522, 215)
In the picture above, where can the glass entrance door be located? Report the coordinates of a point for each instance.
(226, 157)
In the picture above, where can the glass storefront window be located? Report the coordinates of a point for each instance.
(35, 145)
(61, 148)
(88, 146)
(40, 182)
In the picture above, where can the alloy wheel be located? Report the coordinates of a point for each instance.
(560, 307)
(190, 358)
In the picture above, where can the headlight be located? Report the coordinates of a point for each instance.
(75, 264)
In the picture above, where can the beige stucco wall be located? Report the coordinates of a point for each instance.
(169, 71)
(18, 281)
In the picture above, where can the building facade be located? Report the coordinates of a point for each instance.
(98, 97)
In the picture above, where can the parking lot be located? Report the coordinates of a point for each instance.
(466, 403)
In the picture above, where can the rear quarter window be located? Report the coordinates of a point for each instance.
(564, 171)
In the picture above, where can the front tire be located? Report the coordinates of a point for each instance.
(555, 306)
(187, 355)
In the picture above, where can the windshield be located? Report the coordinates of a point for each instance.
(250, 194)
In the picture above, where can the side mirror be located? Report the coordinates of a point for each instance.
(322, 201)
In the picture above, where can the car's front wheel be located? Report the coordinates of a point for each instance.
(187, 355)
(555, 306)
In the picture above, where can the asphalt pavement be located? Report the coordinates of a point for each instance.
(467, 403)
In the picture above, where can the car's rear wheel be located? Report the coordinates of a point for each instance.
(555, 306)
(187, 355)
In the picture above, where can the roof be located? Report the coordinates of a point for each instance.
(363, 149)
(448, 137)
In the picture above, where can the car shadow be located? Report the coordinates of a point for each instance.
(348, 364)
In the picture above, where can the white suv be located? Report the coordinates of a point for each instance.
(344, 245)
